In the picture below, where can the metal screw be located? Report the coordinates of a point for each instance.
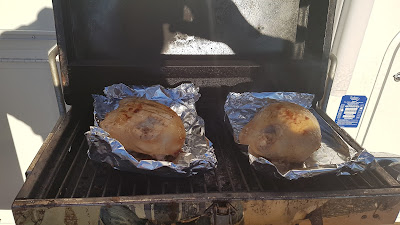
(364, 217)
(397, 77)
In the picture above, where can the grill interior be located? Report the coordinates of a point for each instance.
(73, 175)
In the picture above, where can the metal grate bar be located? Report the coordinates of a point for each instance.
(386, 177)
(134, 190)
(191, 186)
(375, 179)
(92, 181)
(230, 178)
(274, 186)
(364, 180)
(103, 193)
(242, 175)
(350, 177)
(176, 188)
(163, 185)
(217, 180)
(148, 185)
(378, 178)
(79, 178)
(341, 182)
(119, 185)
(319, 183)
(205, 185)
(257, 180)
(228, 171)
(70, 168)
(64, 152)
(238, 165)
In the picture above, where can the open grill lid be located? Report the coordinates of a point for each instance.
(256, 45)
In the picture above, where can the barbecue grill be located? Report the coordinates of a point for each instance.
(105, 42)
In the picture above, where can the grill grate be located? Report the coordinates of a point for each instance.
(79, 177)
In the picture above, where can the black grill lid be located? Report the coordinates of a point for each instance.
(250, 45)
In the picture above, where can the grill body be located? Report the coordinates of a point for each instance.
(65, 186)
(100, 44)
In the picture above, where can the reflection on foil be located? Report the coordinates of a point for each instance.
(334, 155)
(197, 153)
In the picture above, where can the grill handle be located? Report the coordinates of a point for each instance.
(56, 79)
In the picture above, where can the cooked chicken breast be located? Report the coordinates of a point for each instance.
(282, 131)
(146, 127)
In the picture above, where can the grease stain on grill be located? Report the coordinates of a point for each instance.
(70, 217)
(24, 216)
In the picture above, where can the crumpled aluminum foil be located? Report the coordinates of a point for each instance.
(197, 153)
(334, 155)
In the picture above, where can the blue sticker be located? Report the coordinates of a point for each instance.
(350, 110)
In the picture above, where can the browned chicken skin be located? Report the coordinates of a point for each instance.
(282, 132)
(146, 127)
